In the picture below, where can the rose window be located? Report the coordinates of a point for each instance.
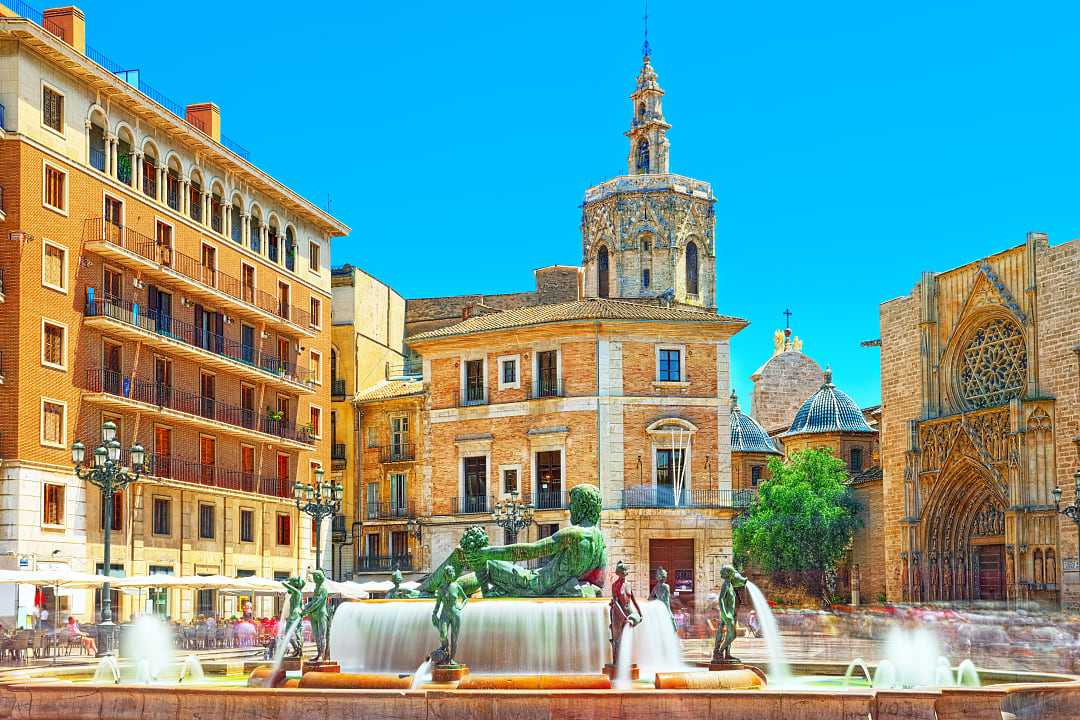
(993, 367)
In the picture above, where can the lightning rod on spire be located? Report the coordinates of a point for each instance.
(646, 51)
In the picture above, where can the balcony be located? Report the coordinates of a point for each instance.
(166, 467)
(113, 389)
(411, 368)
(402, 452)
(473, 504)
(160, 261)
(169, 333)
(546, 388)
(337, 389)
(552, 500)
(384, 563)
(471, 397)
(648, 496)
(389, 510)
(337, 456)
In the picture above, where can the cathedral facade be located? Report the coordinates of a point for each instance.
(981, 422)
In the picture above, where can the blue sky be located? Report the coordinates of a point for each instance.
(851, 145)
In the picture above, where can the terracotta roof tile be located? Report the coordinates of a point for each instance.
(391, 389)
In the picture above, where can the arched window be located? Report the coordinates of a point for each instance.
(98, 123)
(993, 366)
(195, 197)
(290, 249)
(692, 269)
(641, 111)
(602, 273)
(236, 222)
(124, 155)
(643, 156)
(172, 184)
(149, 171)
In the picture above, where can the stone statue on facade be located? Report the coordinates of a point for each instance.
(624, 610)
(317, 611)
(576, 557)
(662, 591)
(446, 617)
(725, 629)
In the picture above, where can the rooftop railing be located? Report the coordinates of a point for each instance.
(98, 230)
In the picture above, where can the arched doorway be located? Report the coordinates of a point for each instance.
(964, 536)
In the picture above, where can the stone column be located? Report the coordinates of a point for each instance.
(110, 155)
(206, 208)
(87, 136)
(136, 170)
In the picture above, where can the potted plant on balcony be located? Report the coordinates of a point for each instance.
(275, 415)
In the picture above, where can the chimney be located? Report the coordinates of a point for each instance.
(67, 23)
(206, 117)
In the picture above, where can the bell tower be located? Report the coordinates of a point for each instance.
(649, 234)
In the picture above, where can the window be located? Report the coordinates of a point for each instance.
(314, 256)
(316, 367)
(372, 437)
(163, 240)
(316, 312)
(670, 473)
(755, 474)
(646, 245)
(54, 266)
(669, 365)
(510, 480)
(856, 460)
(643, 157)
(283, 300)
(52, 109)
(53, 420)
(53, 345)
(509, 372)
(284, 529)
(602, 280)
(162, 516)
(55, 196)
(247, 525)
(52, 509)
(206, 521)
(399, 501)
(316, 421)
(645, 278)
(692, 269)
(117, 520)
(373, 500)
(546, 530)
(399, 437)
(474, 470)
(474, 381)
(549, 479)
(114, 220)
(547, 373)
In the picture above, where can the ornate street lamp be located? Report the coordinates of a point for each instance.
(1071, 511)
(319, 500)
(512, 514)
(107, 473)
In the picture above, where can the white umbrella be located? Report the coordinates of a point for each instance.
(61, 577)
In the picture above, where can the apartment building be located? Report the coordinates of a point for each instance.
(155, 277)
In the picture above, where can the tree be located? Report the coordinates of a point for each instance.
(803, 520)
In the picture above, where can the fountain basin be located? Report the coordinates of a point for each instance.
(355, 681)
(535, 682)
(555, 636)
(741, 679)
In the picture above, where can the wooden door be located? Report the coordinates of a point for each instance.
(163, 452)
(113, 368)
(207, 458)
(992, 572)
(163, 381)
(207, 393)
(677, 557)
(283, 489)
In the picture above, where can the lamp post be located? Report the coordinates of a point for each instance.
(318, 500)
(1071, 511)
(111, 477)
(512, 514)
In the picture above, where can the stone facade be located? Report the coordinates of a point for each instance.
(780, 387)
(981, 395)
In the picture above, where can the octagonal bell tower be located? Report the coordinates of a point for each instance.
(650, 233)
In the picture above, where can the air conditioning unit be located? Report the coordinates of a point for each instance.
(137, 284)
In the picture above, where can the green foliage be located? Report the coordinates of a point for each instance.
(804, 517)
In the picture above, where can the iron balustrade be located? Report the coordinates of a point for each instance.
(167, 396)
(255, 238)
(473, 504)
(149, 179)
(97, 159)
(215, 220)
(410, 368)
(390, 510)
(545, 388)
(337, 389)
(400, 452)
(98, 230)
(649, 496)
(472, 396)
(552, 500)
(384, 563)
(168, 467)
(155, 321)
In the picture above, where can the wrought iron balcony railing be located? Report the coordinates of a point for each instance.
(402, 452)
(173, 328)
(162, 395)
(337, 389)
(473, 504)
(337, 451)
(215, 475)
(384, 563)
(98, 230)
(545, 388)
(649, 496)
(389, 510)
(552, 500)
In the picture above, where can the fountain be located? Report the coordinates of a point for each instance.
(191, 670)
(779, 669)
(107, 671)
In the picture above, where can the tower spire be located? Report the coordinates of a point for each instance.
(646, 51)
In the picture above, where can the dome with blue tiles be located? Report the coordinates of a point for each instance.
(828, 410)
(746, 434)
